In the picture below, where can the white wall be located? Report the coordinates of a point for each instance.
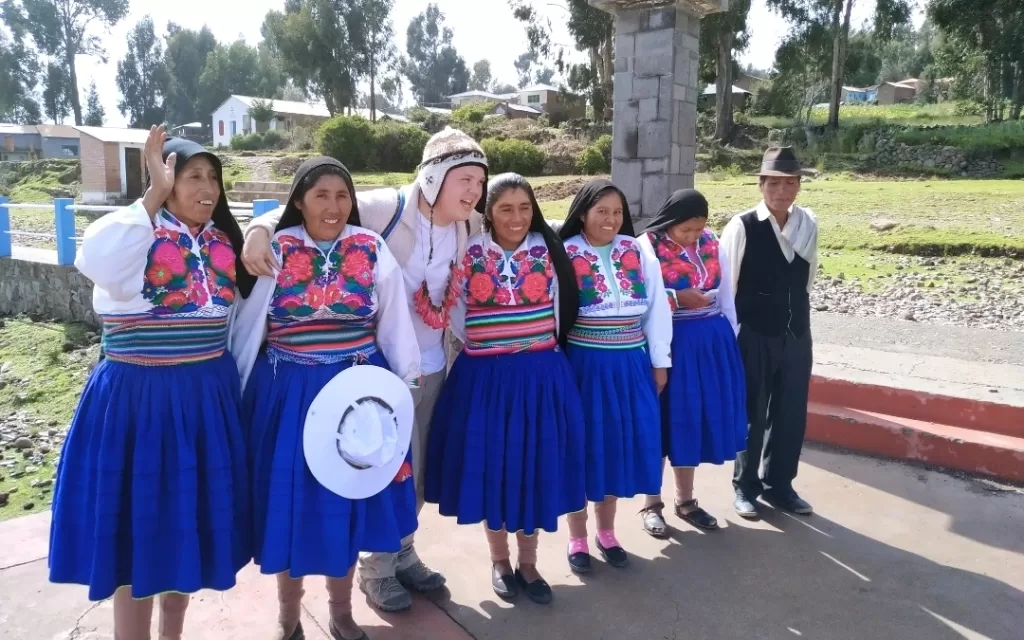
(524, 98)
(234, 110)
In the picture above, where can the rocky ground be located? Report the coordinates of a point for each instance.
(29, 446)
(922, 290)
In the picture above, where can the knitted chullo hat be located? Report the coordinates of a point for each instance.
(446, 150)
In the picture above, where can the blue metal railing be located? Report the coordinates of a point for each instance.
(64, 210)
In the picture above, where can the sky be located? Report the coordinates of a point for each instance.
(498, 38)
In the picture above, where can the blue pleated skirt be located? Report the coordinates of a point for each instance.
(506, 443)
(152, 486)
(299, 526)
(623, 421)
(703, 407)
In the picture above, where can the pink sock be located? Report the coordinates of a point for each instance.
(607, 538)
(578, 545)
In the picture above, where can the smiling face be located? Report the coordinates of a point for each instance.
(460, 192)
(510, 218)
(686, 233)
(326, 207)
(603, 220)
(196, 192)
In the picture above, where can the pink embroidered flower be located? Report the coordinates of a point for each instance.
(352, 300)
(159, 275)
(671, 275)
(175, 300)
(170, 257)
(581, 266)
(227, 294)
(223, 259)
(315, 297)
(503, 296)
(481, 287)
(332, 293)
(356, 265)
(289, 302)
(535, 288)
(300, 265)
(630, 259)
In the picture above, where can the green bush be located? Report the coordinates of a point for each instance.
(995, 138)
(473, 113)
(597, 157)
(247, 142)
(349, 139)
(514, 155)
(397, 147)
(272, 140)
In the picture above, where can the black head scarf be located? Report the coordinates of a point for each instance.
(308, 174)
(681, 206)
(568, 293)
(222, 218)
(586, 198)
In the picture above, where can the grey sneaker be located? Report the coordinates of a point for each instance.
(387, 594)
(420, 577)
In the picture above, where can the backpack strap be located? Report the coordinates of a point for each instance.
(398, 215)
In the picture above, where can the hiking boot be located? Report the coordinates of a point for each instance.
(420, 577)
(386, 594)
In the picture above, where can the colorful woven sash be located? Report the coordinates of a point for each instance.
(502, 330)
(156, 341)
(610, 332)
(321, 341)
(682, 313)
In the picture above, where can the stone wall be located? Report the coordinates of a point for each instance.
(944, 159)
(47, 290)
(657, 54)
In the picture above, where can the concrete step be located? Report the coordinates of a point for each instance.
(976, 451)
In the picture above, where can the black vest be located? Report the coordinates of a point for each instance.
(771, 295)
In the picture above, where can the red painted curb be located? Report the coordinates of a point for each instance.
(992, 417)
(984, 453)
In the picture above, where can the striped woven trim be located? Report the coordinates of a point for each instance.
(610, 332)
(709, 311)
(501, 330)
(156, 341)
(321, 341)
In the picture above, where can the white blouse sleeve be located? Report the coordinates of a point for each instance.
(395, 333)
(249, 326)
(731, 247)
(657, 320)
(115, 249)
(457, 318)
(726, 293)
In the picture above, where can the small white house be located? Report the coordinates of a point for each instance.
(232, 118)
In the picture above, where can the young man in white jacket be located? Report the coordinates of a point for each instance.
(426, 225)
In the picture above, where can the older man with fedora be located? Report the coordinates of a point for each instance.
(771, 256)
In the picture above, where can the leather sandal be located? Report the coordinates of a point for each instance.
(654, 522)
(697, 517)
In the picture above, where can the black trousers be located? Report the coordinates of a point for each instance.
(778, 373)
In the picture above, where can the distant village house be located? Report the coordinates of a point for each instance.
(37, 142)
(112, 166)
(542, 98)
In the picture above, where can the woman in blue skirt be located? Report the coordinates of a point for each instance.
(152, 488)
(506, 446)
(619, 351)
(338, 299)
(703, 408)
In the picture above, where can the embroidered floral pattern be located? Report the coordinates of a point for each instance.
(626, 260)
(679, 272)
(534, 273)
(173, 280)
(591, 282)
(219, 262)
(481, 273)
(308, 281)
(404, 472)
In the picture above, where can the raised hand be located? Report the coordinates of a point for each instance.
(161, 172)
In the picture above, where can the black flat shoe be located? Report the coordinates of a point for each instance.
(579, 562)
(298, 634)
(505, 586)
(697, 517)
(336, 635)
(615, 556)
(539, 590)
(790, 502)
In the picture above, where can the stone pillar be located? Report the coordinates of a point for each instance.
(654, 131)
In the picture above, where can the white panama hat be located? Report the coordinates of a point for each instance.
(358, 431)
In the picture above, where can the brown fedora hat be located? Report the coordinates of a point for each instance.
(781, 161)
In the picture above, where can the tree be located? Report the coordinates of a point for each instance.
(531, 70)
(592, 31)
(19, 69)
(722, 35)
(237, 69)
(391, 90)
(433, 67)
(184, 58)
(481, 79)
(142, 77)
(836, 15)
(61, 29)
(502, 88)
(369, 27)
(311, 40)
(262, 111)
(94, 112)
(56, 102)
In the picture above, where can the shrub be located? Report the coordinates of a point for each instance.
(397, 146)
(273, 139)
(349, 139)
(247, 142)
(513, 155)
(301, 138)
(473, 113)
(597, 157)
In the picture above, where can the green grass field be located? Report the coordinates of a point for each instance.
(944, 113)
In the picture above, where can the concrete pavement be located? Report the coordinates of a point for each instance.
(892, 552)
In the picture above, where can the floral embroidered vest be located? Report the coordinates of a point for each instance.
(597, 287)
(491, 280)
(679, 271)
